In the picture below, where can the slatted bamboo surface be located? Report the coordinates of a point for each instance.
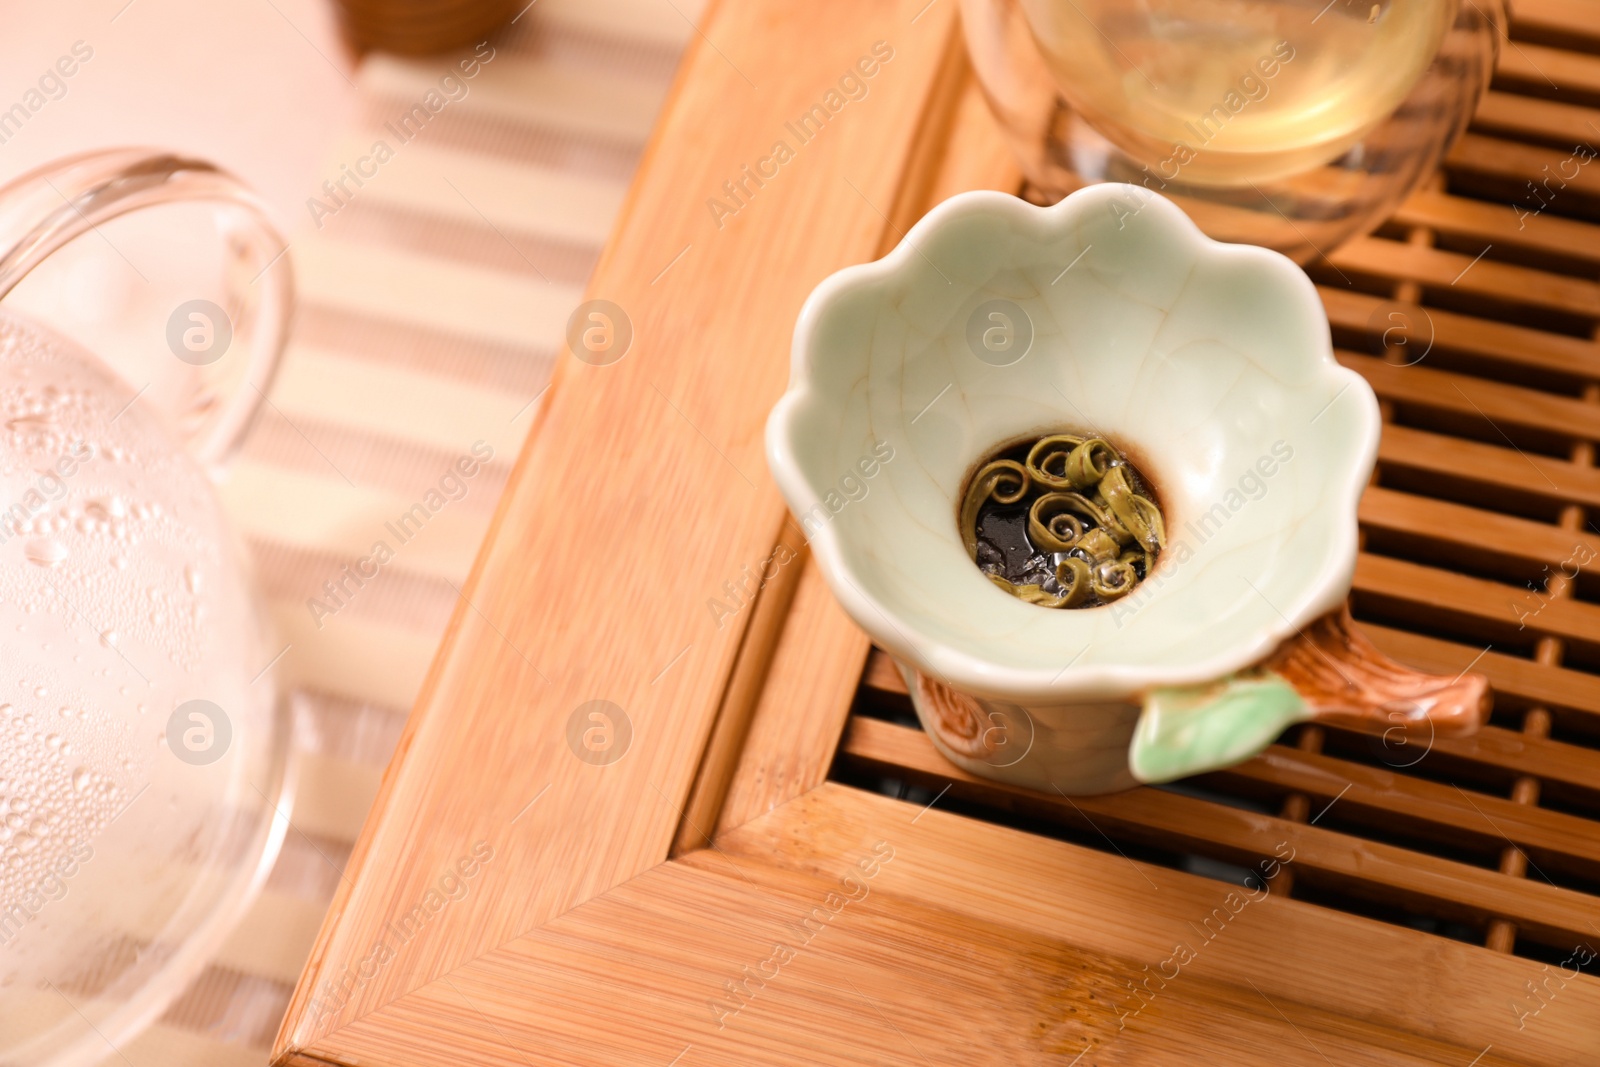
(1480, 547)
(635, 909)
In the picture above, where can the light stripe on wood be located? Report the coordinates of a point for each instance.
(697, 450)
(322, 513)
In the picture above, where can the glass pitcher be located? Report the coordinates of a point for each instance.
(1294, 124)
(144, 787)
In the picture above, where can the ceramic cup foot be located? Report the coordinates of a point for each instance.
(1329, 672)
(1075, 750)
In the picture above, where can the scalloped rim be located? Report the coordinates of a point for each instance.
(1051, 683)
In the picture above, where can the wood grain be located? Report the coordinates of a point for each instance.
(1456, 334)
(802, 709)
(771, 611)
(1406, 590)
(1492, 403)
(975, 156)
(1042, 960)
(1512, 476)
(1462, 535)
(1436, 811)
(1568, 21)
(601, 932)
(1373, 257)
(640, 491)
(1398, 876)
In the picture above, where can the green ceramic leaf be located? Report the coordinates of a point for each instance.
(1187, 730)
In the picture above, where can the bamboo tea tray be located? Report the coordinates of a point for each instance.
(753, 855)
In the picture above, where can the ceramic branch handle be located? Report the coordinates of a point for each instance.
(1329, 672)
(1344, 680)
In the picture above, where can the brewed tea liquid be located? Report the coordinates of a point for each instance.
(1151, 75)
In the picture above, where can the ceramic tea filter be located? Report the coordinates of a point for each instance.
(1108, 314)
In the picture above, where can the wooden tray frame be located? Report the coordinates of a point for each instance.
(709, 897)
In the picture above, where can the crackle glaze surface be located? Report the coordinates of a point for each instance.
(1210, 363)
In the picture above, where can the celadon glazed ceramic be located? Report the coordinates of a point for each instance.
(1108, 314)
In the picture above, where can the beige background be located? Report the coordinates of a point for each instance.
(432, 309)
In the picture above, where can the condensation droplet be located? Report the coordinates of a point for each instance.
(34, 425)
(45, 553)
(112, 507)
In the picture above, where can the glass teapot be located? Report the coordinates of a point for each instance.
(143, 742)
(1293, 124)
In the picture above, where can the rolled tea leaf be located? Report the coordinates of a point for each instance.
(1003, 583)
(1114, 488)
(1077, 503)
(1073, 574)
(991, 480)
(1098, 546)
(1113, 525)
(1135, 514)
(1033, 594)
(1076, 583)
(1052, 526)
(1153, 519)
(1089, 463)
(1113, 579)
(1049, 455)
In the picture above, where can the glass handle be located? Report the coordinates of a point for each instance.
(47, 208)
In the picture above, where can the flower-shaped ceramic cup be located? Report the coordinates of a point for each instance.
(1211, 365)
